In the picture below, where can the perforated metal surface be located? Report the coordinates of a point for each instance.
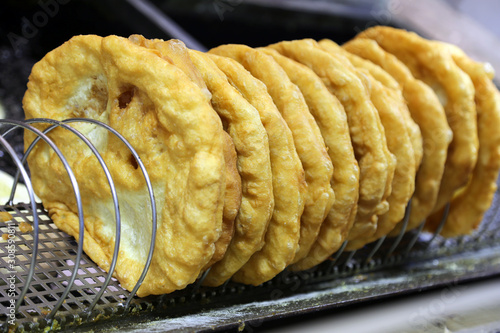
(54, 265)
(46, 305)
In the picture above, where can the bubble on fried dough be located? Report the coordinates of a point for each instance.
(429, 114)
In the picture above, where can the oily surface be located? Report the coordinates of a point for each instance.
(433, 65)
(242, 121)
(429, 114)
(288, 174)
(175, 52)
(165, 128)
(388, 81)
(324, 197)
(332, 122)
(367, 134)
(400, 144)
(468, 207)
(402, 139)
(307, 137)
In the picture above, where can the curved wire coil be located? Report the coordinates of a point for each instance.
(27, 125)
(340, 263)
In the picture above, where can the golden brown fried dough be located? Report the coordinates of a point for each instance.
(242, 122)
(175, 52)
(431, 64)
(288, 174)
(367, 133)
(429, 114)
(469, 205)
(399, 143)
(5, 217)
(307, 137)
(394, 115)
(330, 116)
(170, 124)
(388, 81)
(391, 159)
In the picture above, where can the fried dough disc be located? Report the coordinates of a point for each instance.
(390, 109)
(468, 207)
(454, 88)
(307, 137)
(330, 116)
(429, 114)
(310, 226)
(388, 81)
(175, 52)
(288, 174)
(172, 127)
(242, 122)
(367, 133)
(395, 116)
(399, 143)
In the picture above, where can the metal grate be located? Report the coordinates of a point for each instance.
(54, 266)
(63, 289)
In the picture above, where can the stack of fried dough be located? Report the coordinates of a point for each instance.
(264, 158)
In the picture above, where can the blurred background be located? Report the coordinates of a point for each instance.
(31, 28)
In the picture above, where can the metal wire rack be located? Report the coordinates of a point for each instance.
(48, 283)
